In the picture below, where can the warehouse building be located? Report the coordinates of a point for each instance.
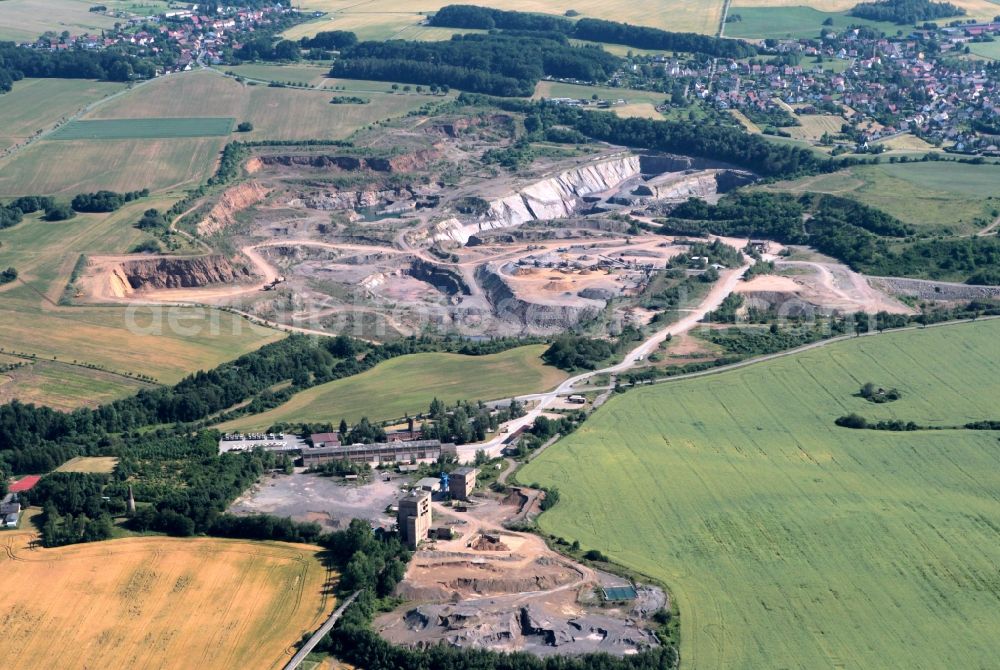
(377, 453)
(414, 518)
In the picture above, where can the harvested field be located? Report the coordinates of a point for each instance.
(386, 19)
(25, 20)
(814, 126)
(159, 602)
(908, 142)
(126, 165)
(791, 542)
(36, 104)
(64, 387)
(101, 464)
(408, 384)
(145, 128)
(276, 113)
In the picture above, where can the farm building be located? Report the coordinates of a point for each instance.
(325, 439)
(376, 454)
(462, 482)
(10, 505)
(414, 518)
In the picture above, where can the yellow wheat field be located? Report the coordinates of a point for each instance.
(153, 602)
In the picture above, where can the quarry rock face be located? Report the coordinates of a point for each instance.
(402, 163)
(552, 198)
(162, 273)
(533, 317)
(362, 199)
(233, 201)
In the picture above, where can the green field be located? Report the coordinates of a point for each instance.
(36, 104)
(145, 128)
(795, 22)
(934, 196)
(792, 543)
(409, 383)
(989, 50)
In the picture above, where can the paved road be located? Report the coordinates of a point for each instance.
(319, 634)
(727, 283)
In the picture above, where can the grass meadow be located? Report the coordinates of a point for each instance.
(166, 344)
(408, 384)
(300, 74)
(933, 195)
(146, 128)
(158, 602)
(990, 50)
(795, 22)
(99, 464)
(789, 542)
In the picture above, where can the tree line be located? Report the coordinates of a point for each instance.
(905, 12)
(702, 139)
(866, 238)
(504, 65)
(16, 63)
(38, 439)
(105, 201)
(595, 30)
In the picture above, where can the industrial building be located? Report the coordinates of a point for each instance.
(462, 482)
(414, 518)
(432, 484)
(375, 454)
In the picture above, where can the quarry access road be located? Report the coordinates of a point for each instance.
(728, 281)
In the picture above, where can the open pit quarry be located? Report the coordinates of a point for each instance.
(388, 241)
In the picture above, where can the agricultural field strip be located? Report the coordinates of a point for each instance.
(144, 128)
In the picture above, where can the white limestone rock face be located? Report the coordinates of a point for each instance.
(551, 198)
